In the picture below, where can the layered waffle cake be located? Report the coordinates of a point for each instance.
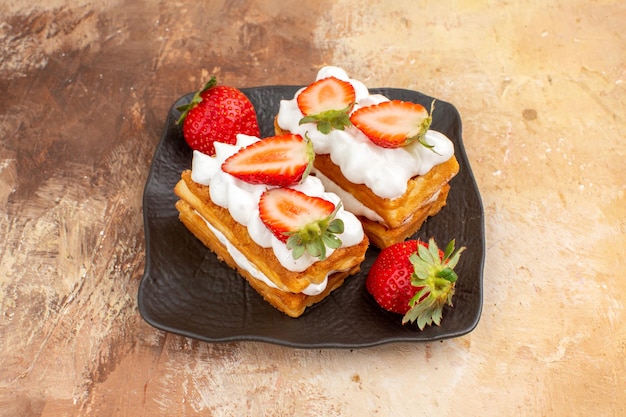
(379, 155)
(254, 205)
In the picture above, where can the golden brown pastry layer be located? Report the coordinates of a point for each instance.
(401, 216)
(382, 236)
(195, 204)
(420, 190)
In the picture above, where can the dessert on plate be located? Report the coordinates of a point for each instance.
(379, 155)
(254, 205)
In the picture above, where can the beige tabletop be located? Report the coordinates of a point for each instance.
(85, 89)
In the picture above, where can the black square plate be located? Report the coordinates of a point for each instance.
(185, 290)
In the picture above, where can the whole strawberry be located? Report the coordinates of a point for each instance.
(217, 114)
(416, 279)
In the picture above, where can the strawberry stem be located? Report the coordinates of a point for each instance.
(421, 136)
(315, 237)
(330, 119)
(195, 100)
(435, 277)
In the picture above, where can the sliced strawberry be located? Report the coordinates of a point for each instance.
(279, 160)
(328, 103)
(392, 124)
(303, 222)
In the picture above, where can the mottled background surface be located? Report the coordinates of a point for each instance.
(84, 90)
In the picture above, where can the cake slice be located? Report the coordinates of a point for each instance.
(249, 204)
(379, 155)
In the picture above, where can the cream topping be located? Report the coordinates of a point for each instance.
(351, 203)
(385, 171)
(241, 200)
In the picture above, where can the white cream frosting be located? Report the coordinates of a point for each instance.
(241, 200)
(350, 202)
(353, 205)
(385, 171)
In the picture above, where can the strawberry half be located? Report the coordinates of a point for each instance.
(392, 124)
(278, 160)
(303, 222)
(415, 279)
(217, 114)
(328, 103)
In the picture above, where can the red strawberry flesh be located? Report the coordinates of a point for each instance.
(279, 161)
(392, 124)
(326, 94)
(327, 103)
(304, 223)
(285, 210)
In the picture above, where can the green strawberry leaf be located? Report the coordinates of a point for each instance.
(330, 119)
(196, 99)
(435, 278)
